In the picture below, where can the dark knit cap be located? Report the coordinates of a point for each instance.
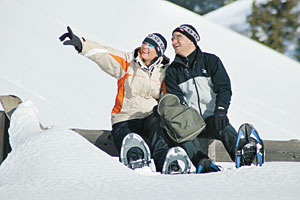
(189, 31)
(158, 41)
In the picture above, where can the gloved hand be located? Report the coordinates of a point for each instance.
(220, 119)
(74, 40)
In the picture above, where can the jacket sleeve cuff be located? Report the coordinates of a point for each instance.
(221, 108)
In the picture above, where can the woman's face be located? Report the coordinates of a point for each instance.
(148, 52)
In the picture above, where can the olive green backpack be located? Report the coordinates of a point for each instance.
(182, 123)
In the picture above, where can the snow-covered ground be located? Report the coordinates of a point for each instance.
(59, 164)
(71, 91)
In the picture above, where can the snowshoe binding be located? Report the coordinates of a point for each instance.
(249, 147)
(177, 162)
(135, 152)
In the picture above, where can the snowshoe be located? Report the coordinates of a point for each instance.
(205, 165)
(177, 162)
(135, 152)
(249, 147)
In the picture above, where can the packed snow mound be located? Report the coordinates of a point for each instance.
(60, 164)
(56, 157)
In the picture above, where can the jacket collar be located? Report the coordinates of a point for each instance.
(160, 61)
(189, 60)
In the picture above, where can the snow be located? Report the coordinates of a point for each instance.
(64, 90)
(233, 15)
(60, 164)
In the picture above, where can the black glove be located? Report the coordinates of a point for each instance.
(220, 119)
(74, 40)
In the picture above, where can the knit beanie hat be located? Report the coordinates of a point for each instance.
(189, 31)
(158, 41)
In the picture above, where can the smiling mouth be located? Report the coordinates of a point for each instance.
(145, 52)
(177, 46)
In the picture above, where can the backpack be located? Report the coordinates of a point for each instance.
(182, 123)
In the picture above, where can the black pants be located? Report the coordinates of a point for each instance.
(159, 143)
(149, 129)
(197, 151)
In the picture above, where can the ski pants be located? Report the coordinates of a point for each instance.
(227, 136)
(148, 128)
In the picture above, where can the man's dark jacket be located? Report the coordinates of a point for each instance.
(200, 81)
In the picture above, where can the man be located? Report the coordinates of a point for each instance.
(140, 74)
(200, 81)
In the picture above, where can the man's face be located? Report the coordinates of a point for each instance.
(148, 52)
(181, 44)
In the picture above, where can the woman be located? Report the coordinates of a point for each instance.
(140, 75)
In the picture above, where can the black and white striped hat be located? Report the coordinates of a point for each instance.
(189, 31)
(158, 41)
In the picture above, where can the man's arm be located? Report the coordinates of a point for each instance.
(222, 85)
(222, 88)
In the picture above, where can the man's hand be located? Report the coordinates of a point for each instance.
(220, 119)
(73, 40)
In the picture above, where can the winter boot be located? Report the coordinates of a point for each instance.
(205, 165)
(177, 162)
(249, 147)
(135, 152)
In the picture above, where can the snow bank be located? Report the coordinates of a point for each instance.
(59, 164)
(53, 163)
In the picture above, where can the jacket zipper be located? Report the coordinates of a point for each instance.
(179, 113)
(194, 81)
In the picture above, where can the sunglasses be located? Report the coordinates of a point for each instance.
(148, 45)
(177, 37)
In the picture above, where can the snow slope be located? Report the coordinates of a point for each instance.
(234, 16)
(60, 164)
(71, 91)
